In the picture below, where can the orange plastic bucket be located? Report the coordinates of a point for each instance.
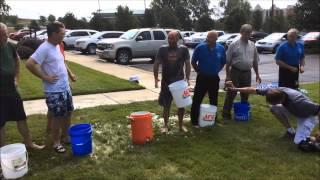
(141, 127)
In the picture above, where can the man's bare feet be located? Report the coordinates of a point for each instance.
(183, 129)
(35, 146)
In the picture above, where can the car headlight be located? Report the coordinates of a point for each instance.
(109, 46)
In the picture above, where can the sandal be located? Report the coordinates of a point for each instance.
(59, 149)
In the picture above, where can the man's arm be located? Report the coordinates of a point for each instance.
(71, 75)
(246, 90)
(188, 71)
(156, 72)
(302, 64)
(35, 69)
(256, 66)
(195, 66)
(17, 71)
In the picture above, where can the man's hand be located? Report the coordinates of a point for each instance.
(156, 83)
(258, 79)
(229, 85)
(51, 79)
(73, 77)
(301, 69)
(294, 69)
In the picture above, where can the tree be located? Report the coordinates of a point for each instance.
(149, 18)
(205, 23)
(168, 19)
(43, 21)
(279, 24)
(236, 14)
(12, 20)
(257, 19)
(4, 10)
(180, 9)
(70, 21)
(307, 13)
(99, 23)
(83, 23)
(199, 8)
(51, 18)
(125, 19)
(34, 26)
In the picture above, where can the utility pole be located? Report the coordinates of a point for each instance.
(272, 12)
(145, 5)
(99, 9)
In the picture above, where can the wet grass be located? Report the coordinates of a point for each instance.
(235, 150)
(89, 82)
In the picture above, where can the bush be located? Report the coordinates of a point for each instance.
(27, 47)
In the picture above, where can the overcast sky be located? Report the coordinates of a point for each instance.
(83, 8)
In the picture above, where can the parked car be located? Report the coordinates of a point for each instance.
(72, 35)
(135, 43)
(36, 34)
(256, 36)
(272, 42)
(89, 44)
(195, 39)
(19, 34)
(181, 41)
(224, 38)
(187, 33)
(311, 40)
(231, 40)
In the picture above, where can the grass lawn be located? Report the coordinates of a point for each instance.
(89, 82)
(236, 150)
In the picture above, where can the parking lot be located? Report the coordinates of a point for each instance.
(267, 67)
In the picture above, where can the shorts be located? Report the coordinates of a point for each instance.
(59, 103)
(165, 96)
(11, 109)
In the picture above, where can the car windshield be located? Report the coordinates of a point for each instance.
(98, 34)
(129, 34)
(275, 36)
(311, 35)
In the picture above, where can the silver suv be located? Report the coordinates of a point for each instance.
(135, 43)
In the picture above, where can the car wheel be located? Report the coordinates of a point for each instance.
(123, 56)
(91, 48)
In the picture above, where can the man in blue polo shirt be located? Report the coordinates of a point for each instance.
(290, 59)
(208, 59)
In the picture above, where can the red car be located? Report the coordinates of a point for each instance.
(311, 40)
(19, 34)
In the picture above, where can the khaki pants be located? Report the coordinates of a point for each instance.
(239, 79)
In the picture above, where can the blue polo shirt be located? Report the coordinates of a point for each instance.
(210, 61)
(289, 54)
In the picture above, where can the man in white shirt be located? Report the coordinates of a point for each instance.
(48, 64)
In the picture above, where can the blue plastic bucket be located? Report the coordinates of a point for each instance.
(241, 111)
(81, 139)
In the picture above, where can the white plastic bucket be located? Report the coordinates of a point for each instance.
(180, 93)
(207, 115)
(14, 161)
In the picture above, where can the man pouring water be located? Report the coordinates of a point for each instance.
(173, 58)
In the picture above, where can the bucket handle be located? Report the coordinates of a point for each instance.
(20, 168)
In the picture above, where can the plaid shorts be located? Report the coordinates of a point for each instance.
(59, 103)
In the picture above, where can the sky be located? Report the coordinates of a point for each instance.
(32, 9)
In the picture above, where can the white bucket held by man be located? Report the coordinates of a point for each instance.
(14, 160)
(180, 93)
(207, 115)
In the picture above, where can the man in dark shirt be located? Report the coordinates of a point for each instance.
(11, 106)
(173, 58)
(286, 101)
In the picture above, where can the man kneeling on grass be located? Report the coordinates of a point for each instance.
(286, 101)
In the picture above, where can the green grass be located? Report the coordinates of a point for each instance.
(236, 150)
(89, 82)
